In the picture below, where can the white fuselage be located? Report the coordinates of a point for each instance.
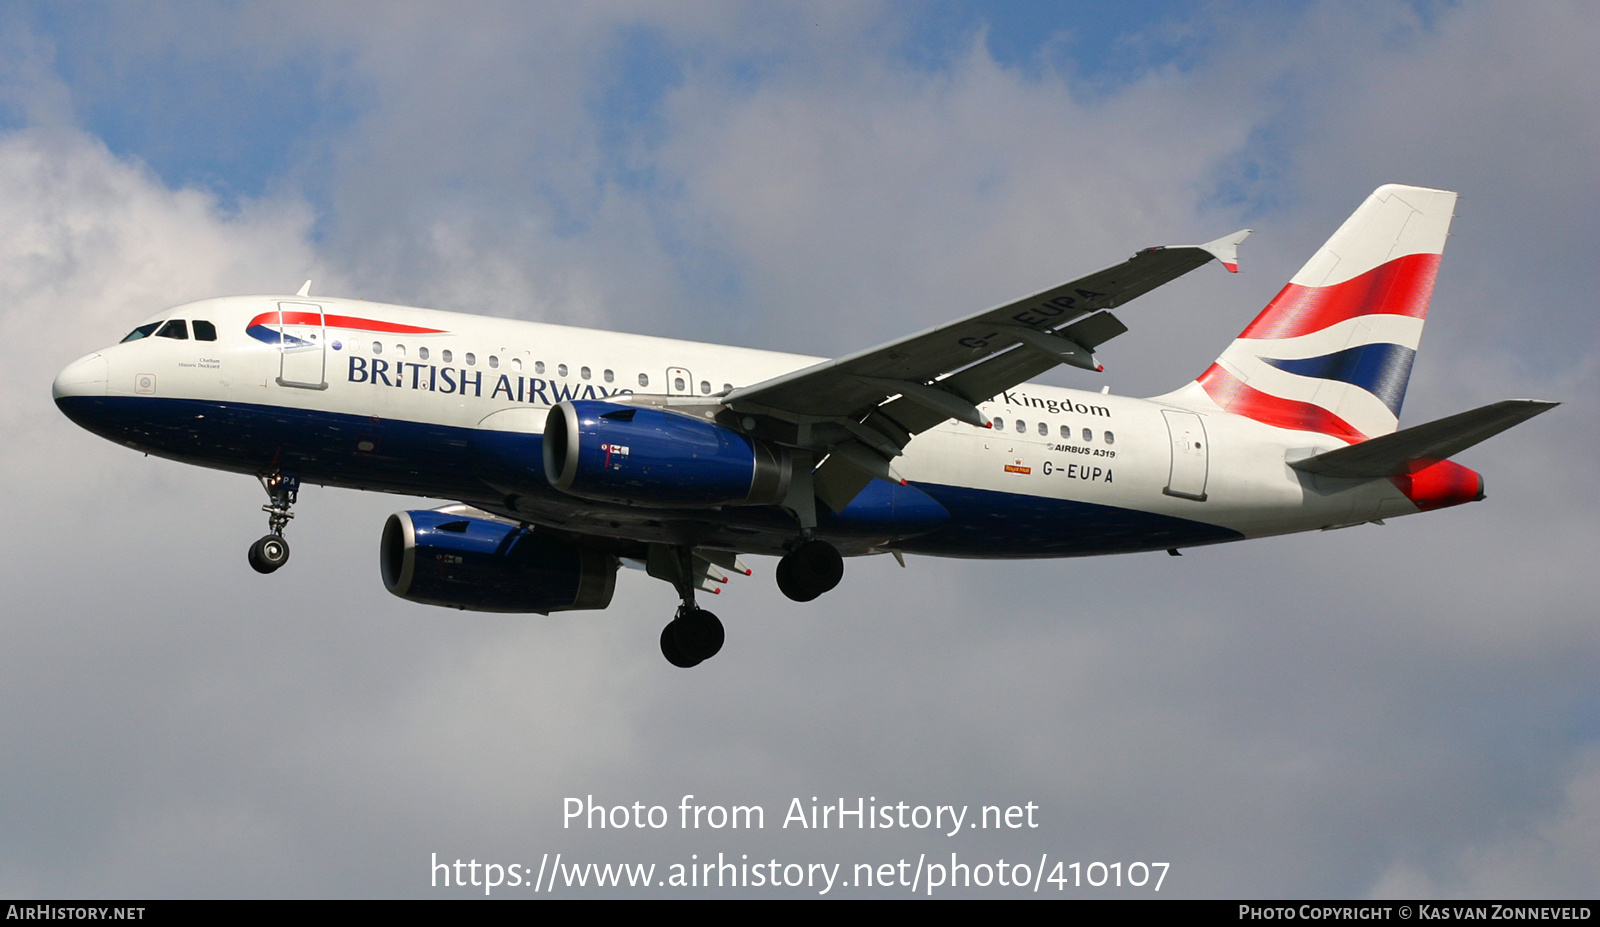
(390, 398)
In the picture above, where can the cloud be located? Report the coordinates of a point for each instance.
(1552, 858)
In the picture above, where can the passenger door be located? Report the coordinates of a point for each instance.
(302, 346)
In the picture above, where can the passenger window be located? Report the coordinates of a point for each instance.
(538, 366)
(1088, 435)
(494, 362)
(677, 384)
(1022, 427)
(377, 347)
(1066, 432)
(1044, 430)
(472, 359)
(516, 364)
(446, 356)
(705, 387)
(583, 372)
(204, 331)
(399, 350)
(644, 379)
(176, 329)
(727, 387)
(144, 331)
(999, 424)
(561, 370)
(610, 376)
(422, 353)
(1111, 438)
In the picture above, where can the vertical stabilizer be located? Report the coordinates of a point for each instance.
(1332, 352)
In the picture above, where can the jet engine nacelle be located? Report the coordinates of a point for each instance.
(655, 457)
(487, 565)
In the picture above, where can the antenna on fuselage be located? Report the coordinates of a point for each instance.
(305, 289)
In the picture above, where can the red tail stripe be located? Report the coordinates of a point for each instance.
(1401, 287)
(342, 321)
(1235, 396)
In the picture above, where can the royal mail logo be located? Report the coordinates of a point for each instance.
(1018, 468)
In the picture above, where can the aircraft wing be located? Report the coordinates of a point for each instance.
(856, 384)
(944, 372)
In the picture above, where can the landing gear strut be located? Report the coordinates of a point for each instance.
(694, 634)
(810, 570)
(272, 551)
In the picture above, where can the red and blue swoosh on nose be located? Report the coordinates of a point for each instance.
(258, 329)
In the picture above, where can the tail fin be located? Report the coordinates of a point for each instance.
(1332, 352)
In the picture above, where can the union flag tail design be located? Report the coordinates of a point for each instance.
(1332, 352)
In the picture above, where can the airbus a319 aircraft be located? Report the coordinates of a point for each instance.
(571, 451)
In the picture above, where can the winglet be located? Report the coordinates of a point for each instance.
(305, 289)
(1226, 249)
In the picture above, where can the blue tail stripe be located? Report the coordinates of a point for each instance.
(1380, 369)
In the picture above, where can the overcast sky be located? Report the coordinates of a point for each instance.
(1411, 709)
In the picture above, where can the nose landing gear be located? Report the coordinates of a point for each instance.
(272, 551)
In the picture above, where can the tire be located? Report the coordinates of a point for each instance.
(669, 648)
(789, 585)
(810, 570)
(269, 553)
(699, 634)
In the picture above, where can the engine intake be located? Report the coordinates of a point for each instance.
(655, 457)
(487, 565)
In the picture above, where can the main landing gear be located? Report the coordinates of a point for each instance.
(694, 634)
(809, 570)
(272, 551)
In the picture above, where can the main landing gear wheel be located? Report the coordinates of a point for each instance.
(810, 570)
(693, 636)
(269, 553)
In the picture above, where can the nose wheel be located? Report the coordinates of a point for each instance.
(272, 551)
(269, 553)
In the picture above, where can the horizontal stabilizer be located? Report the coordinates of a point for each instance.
(1411, 449)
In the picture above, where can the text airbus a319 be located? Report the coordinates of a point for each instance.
(572, 450)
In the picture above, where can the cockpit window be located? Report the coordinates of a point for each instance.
(204, 331)
(177, 329)
(142, 331)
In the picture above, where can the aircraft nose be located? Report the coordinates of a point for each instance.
(85, 376)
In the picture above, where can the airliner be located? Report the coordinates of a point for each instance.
(572, 452)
